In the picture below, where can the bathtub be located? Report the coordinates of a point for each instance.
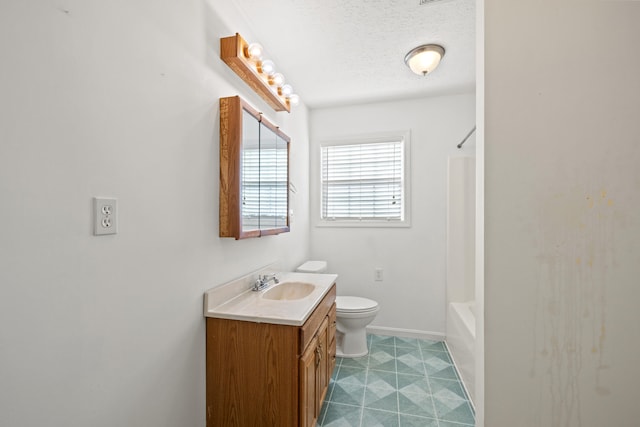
(461, 340)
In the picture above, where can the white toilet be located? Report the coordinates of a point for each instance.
(353, 314)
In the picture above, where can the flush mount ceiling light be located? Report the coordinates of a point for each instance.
(424, 59)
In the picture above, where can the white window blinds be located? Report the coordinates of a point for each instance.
(264, 187)
(363, 182)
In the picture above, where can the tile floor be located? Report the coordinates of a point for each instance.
(401, 382)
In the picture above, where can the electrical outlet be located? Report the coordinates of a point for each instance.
(105, 216)
(378, 274)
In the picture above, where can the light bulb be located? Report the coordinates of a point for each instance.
(277, 80)
(286, 90)
(254, 51)
(424, 62)
(294, 99)
(424, 59)
(268, 67)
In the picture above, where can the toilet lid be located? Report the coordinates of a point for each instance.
(313, 267)
(355, 304)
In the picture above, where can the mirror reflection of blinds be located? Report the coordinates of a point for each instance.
(363, 181)
(264, 188)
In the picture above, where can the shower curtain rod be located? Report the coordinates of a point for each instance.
(467, 137)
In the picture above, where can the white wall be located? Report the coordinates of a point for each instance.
(119, 99)
(412, 294)
(562, 196)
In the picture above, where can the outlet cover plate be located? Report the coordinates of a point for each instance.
(105, 214)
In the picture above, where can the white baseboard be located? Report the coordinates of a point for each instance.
(406, 333)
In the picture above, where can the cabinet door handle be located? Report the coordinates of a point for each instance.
(318, 354)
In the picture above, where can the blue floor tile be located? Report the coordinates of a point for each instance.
(377, 418)
(402, 382)
(338, 415)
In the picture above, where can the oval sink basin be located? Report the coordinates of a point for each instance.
(289, 291)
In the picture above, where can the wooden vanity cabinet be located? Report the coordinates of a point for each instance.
(262, 374)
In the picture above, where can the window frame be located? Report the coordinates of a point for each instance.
(405, 137)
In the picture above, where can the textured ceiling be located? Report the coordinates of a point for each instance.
(344, 51)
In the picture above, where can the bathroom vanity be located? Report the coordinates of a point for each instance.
(270, 354)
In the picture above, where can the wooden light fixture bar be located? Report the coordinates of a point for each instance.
(233, 53)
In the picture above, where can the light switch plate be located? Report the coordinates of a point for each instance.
(105, 216)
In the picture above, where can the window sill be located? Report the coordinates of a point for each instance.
(363, 224)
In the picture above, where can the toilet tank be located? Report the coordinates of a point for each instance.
(313, 267)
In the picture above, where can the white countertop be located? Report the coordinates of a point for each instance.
(235, 300)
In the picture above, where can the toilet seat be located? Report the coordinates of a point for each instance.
(348, 304)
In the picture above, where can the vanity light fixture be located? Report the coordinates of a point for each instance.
(246, 60)
(424, 59)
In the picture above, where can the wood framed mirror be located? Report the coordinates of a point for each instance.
(254, 173)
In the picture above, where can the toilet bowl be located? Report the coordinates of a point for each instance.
(353, 314)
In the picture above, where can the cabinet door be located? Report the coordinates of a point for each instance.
(282, 182)
(331, 361)
(250, 174)
(274, 178)
(322, 379)
(308, 399)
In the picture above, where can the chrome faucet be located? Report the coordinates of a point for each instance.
(263, 281)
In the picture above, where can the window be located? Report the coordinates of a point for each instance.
(364, 183)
